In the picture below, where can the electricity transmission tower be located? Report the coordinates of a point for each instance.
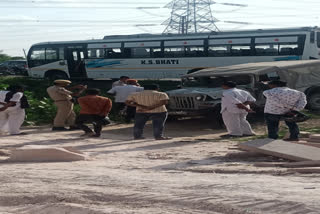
(190, 16)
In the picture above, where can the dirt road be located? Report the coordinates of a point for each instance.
(188, 174)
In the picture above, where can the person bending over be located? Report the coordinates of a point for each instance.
(94, 109)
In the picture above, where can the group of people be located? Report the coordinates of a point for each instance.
(140, 103)
(147, 103)
(280, 101)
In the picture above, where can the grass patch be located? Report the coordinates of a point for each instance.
(283, 131)
(312, 130)
(312, 115)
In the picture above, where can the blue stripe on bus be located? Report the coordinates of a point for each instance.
(286, 58)
(101, 63)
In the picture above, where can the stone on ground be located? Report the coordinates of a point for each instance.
(282, 149)
(44, 154)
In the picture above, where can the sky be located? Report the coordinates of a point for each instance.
(25, 22)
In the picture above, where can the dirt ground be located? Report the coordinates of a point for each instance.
(187, 174)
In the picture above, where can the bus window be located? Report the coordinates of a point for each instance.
(174, 52)
(99, 53)
(127, 52)
(51, 54)
(140, 53)
(194, 51)
(266, 49)
(37, 57)
(240, 50)
(271, 46)
(221, 50)
(113, 53)
(61, 53)
(38, 54)
(96, 53)
(288, 49)
(75, 55)
(156, 52)
(81, 55)
(90, 53)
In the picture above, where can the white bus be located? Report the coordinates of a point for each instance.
(169, 56)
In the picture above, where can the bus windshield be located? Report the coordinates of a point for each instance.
(215, 81)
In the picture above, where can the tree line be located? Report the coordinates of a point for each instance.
(6, 57)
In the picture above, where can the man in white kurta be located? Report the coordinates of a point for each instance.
(12, 118)
(121, 82)
(234, 110)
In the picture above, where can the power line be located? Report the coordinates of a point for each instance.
(79, 2)
(87, 33)
(275, 16)
(297, 2)
(73, 21)
(136, 19)
(73, 7)
(293, 7)
(69, 25)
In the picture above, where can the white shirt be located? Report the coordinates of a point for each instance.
(2, 97)
(281, 100)
(122, 92)
(15, 98)
(118, 83)
(233, 96)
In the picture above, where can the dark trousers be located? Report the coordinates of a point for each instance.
(96, 120)
(273, 121)
(130, 114)
(119, 106)
(158, 121)
(130, 111)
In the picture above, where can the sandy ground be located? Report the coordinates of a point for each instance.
(188, 174)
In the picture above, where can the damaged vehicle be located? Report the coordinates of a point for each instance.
(201, 92)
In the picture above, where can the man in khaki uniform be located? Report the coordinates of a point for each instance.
(63, 100)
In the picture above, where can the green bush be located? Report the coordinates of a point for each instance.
(41, 111)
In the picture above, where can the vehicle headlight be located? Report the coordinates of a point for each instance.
(199, 97)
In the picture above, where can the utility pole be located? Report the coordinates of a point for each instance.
(190, 16)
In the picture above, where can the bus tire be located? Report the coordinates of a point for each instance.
(314, 101)
(54, 75)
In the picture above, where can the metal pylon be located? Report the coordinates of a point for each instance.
(190, 16)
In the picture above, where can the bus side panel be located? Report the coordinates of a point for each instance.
(165, 68)
(40, 71)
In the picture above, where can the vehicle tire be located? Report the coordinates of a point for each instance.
(314, 101)
(54, 75)
(172, 118)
